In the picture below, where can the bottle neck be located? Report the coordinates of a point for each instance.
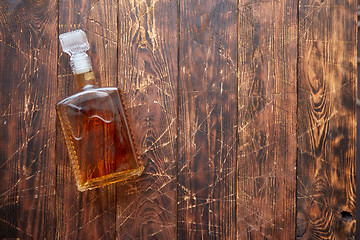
(82, 69)
(85, 80)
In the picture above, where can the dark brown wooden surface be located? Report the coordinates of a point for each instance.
(28, 58)
(267, 120)
(243, 113)
(147, 63)
(207, 120)
(326, 120)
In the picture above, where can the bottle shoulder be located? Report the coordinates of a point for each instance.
(89, 95)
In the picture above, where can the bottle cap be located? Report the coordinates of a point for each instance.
(75, 44)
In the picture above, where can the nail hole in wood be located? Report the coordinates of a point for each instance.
(346, 216)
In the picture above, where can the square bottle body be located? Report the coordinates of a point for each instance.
(98, 138)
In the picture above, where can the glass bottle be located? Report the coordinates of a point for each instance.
(94, 124)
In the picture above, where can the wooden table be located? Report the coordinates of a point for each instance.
(244, 113)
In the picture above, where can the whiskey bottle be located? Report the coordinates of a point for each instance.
(94, 124)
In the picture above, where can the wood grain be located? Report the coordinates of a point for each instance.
(267, 120)
(243, 112)
(27, 92)
(207, 120)
(92, 214)
(326, 120)
(146, 207)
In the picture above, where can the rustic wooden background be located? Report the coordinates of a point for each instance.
(244, 112)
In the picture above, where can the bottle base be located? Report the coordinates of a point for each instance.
(109, 179)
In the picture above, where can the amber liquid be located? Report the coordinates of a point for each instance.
(98, 138)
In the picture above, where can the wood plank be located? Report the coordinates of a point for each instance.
(207, 120)
(266, 197)
(326, 119)
(27, 92)
(91, 214)
(148, 76)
